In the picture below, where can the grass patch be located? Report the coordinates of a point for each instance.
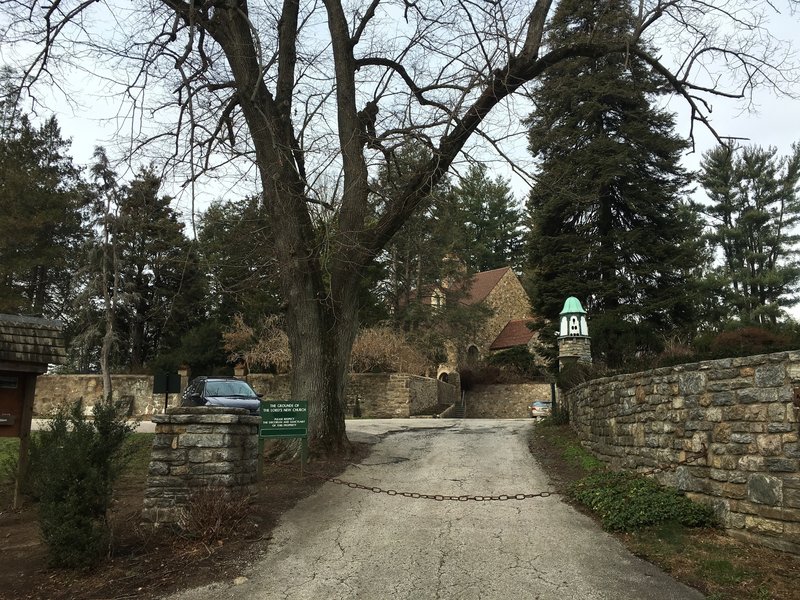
(578, 456)
(9, 454)
(572, 452)
(138, 448)
(9, 449)
(717, 565)
(722, 571)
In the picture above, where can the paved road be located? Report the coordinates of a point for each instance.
(343, 543)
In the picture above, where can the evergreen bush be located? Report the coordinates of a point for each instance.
(748, 341)
(73, 466)
(627, 502)
(518, 360)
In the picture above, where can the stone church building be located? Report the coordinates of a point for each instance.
(499, 290)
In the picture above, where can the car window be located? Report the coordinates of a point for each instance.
(228, 388)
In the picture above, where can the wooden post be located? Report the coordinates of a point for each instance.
(29, 383)
(260, 466)
(303, 455)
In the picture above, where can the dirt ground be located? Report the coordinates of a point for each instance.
(149, 566)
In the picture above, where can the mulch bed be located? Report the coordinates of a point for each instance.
(151, 565)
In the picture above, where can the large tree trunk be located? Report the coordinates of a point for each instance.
(321, 341)
(321, 316)
(319, 267)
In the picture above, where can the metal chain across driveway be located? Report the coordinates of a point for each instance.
(476, 498)
(437, 497)
(418, 496)
(341, 543)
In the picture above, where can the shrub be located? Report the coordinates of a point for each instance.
(73, 465)
(491, 374)
(559, 414)
(265, 346)
(748, 341)
(212, 514)
(468, 379)
(574, 374)
(627, 502)
(384, 350)
(518, 360)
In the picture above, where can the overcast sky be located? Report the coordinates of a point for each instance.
(770, 121)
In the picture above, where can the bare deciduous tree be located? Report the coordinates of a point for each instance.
(302, 90)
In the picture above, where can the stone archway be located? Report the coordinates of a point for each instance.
(473, 355)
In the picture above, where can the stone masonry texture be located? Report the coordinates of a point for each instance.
(381, 395)
(135, 392)
(504, 401)
(735, 420)
(196, 451)
(508, 302)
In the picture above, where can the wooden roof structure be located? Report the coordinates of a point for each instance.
(31, 341)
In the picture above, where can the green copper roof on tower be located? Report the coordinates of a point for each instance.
(572, 306)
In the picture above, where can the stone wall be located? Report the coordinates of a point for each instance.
(274, 387)
(392, 395)
(446, 393)
(135, 391)
(381, 395)
(735, 420)
(504, 401)
(199, 450)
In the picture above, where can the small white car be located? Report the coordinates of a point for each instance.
(539, 409)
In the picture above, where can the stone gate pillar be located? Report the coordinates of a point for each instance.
(197, 449)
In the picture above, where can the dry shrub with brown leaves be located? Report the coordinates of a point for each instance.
(384, 350)
(378, 349)
(265, 346)
(212, 514)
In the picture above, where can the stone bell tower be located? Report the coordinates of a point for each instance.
(574, 344)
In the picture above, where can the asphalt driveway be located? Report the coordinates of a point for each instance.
(344, 543)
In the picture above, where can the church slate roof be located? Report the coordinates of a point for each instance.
(31, 340)
(483, 283)
(515, 333)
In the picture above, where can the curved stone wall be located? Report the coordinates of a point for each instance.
(724, 431)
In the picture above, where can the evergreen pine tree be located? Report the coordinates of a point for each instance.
(489, 222)
(423, 272)
(416, 260)
(235, 238)
(608, 219)
(164, 289)
(41, 229)
(753, 216)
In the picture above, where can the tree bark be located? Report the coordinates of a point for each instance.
(322, 306)
(321, 322)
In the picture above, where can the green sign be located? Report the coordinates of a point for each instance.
(284, 419)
